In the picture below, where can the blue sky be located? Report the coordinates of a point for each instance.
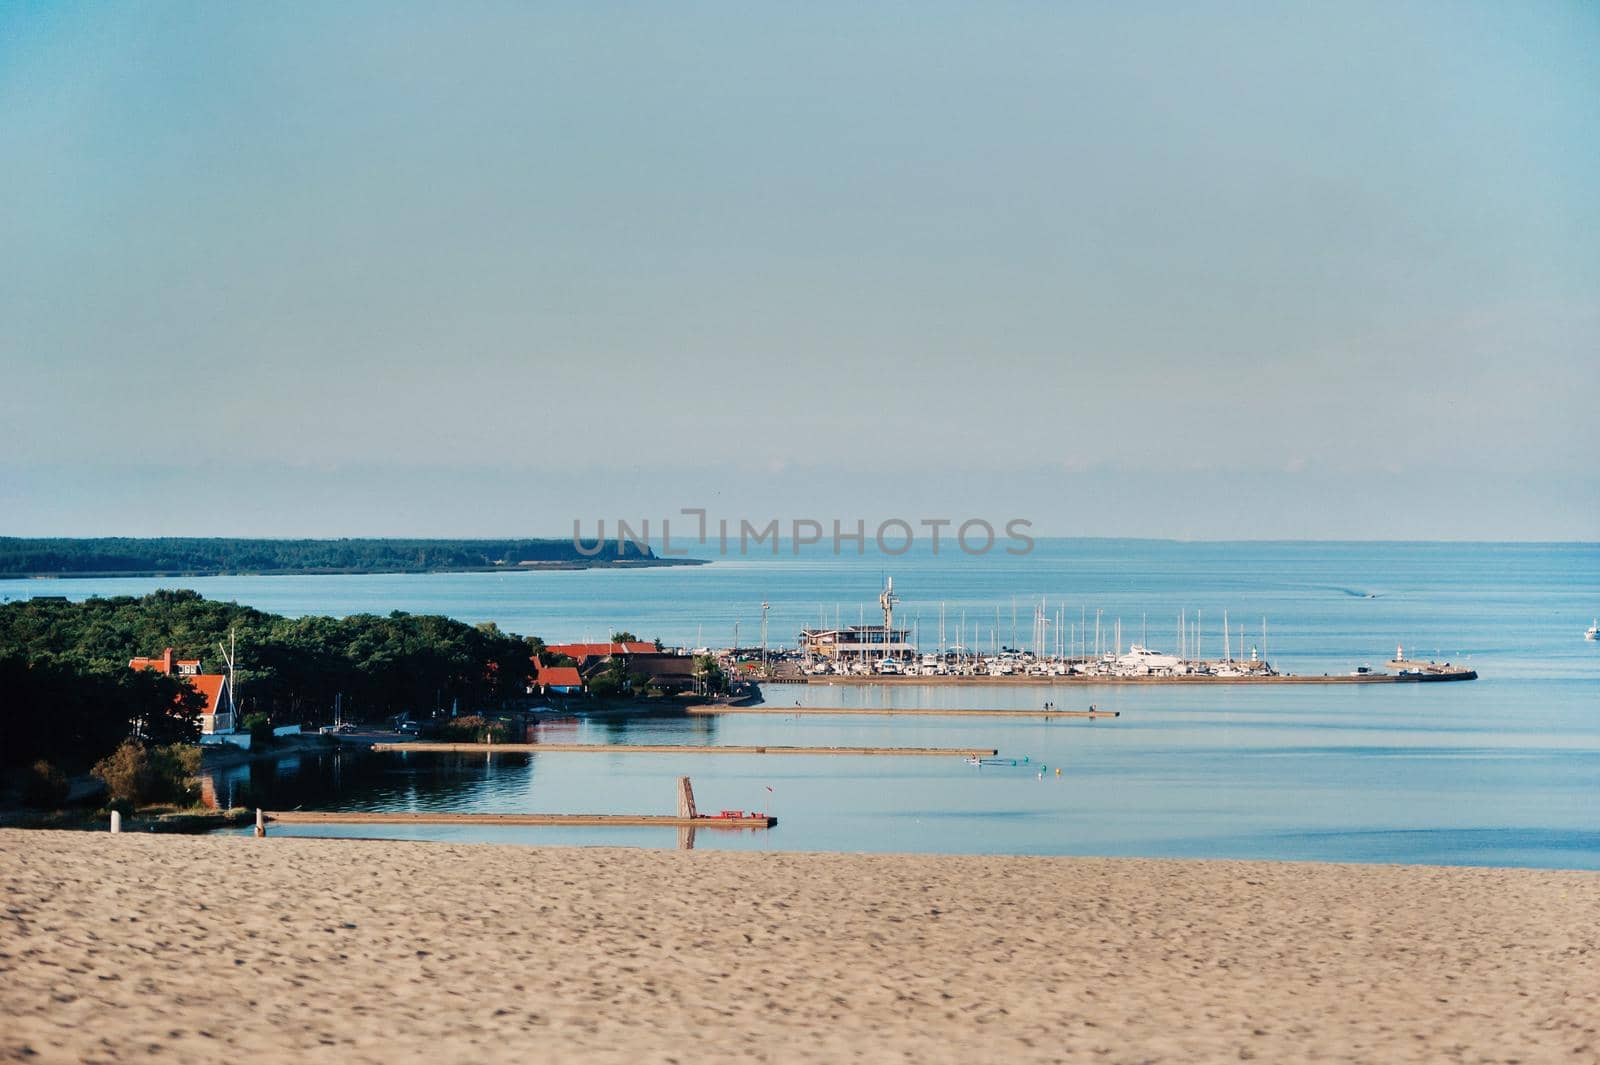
(1172, 270)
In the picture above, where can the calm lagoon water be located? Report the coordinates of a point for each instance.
(1504, 770)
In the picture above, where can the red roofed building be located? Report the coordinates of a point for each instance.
(559, 680)
(217, 717)
(182, 667)
(581, 651)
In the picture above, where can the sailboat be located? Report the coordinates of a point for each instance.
(1593, 632)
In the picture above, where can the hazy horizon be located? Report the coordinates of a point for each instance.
(1189, 272)
(378, 504)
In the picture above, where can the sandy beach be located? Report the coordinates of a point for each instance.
(134, 948)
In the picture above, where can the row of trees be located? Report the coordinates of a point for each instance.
(67, 694)
(57, 555)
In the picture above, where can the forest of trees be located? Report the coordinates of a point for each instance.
(67, 694)
(182, 555)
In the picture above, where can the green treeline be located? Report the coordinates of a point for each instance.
(183, 555)
(67, 694)
(65, 712)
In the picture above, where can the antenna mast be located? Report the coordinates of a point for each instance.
(764, 606)
(227, 656)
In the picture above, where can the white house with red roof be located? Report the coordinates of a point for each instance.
(559, 680)
(218, 720)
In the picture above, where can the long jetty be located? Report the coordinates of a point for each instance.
(310, 817)
(686, 820)
(1091, 680)
(677, 748)
(856, 711)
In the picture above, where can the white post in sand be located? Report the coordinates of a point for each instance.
(685, 798)
(116, 821)
(261, 823)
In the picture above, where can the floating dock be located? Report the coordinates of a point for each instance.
(676, 748)
(856, 711)
(308, 817)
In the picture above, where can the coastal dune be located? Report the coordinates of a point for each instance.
(212, 949)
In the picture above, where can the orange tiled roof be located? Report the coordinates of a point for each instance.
(601, 650)
(209, 685)
(165, 664)
(560, 677)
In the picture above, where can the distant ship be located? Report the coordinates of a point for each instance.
(1593, 632)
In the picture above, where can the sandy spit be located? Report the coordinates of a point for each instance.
(213, 949)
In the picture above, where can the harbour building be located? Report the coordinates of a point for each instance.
(857, 643)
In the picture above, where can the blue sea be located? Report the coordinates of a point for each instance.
(1504, 770)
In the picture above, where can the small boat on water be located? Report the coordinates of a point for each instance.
(1593, 632)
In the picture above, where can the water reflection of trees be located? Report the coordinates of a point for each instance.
(358, 780)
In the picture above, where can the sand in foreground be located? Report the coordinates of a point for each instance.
(229, 949)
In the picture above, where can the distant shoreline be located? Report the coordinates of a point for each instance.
(68, 558)
(530, 567)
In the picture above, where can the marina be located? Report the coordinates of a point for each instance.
(1058, 650)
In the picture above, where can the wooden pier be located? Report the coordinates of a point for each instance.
(677, 748)
(686, 820)
(310, 817)
(856, 711)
